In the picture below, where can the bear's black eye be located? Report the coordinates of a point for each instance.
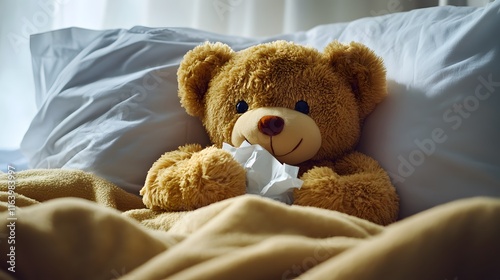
(241, 107)
(302, 107)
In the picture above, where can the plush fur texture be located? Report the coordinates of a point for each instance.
(275, 90)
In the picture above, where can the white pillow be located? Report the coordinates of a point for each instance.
(108, 100)
(438, 132)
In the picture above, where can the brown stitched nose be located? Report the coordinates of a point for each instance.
(271, 125)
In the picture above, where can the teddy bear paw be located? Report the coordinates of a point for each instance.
(208, 176)
(357, 195)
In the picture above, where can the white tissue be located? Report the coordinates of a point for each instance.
(266, 176)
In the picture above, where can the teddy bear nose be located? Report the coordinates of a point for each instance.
(271, 125)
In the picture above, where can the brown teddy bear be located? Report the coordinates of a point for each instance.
(303, 106)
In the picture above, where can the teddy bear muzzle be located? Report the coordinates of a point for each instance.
(292, 137)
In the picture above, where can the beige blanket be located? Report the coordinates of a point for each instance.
(72, 225)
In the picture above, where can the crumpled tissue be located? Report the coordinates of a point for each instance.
(266, 176)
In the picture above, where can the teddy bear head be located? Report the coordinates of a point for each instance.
(298, 103)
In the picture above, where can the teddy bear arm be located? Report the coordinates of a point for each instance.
(356, 185)
(157, 171)
(372, 187)
(192, 177)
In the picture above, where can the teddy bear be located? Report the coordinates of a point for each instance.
(303, 106)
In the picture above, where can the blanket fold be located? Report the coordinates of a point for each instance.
(73, 225)
(39, 185)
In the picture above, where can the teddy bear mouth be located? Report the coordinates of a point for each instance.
(272, 147)
(294, 148)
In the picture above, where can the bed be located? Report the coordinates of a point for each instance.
(108, 108)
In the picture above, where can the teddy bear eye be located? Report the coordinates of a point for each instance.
(241, 107)
(302, 107)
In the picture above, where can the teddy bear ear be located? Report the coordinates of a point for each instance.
(197, 68)
(363, 69)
